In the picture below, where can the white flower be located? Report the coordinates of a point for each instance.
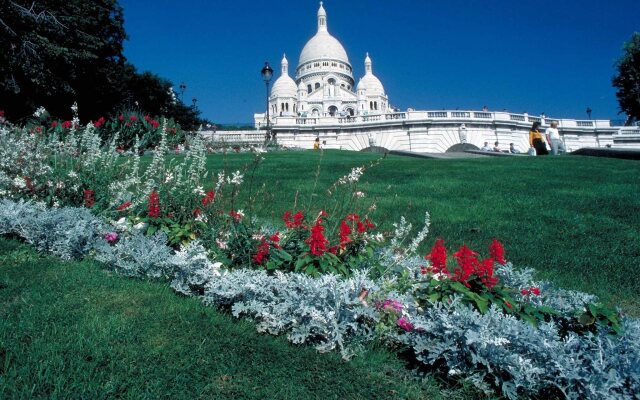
(358, 195)
(168, 178)
(221, 244)
(140, 226)
(74, 107)
(220, 181)
(199, 190)
(257, 236)
(72, 174)
(121, 224)
(40, 112)
(240, 213)
(60, 185)
(202, 218)
(235, 179)
(55, 204)
(19, 182)
(440, 276)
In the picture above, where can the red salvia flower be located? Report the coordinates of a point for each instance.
(124, 206)
(208, 199)
(297, 221)
(147, 118)
(316, 241)
(235, 215)
(524, 292)
(133, 118)
(154, 205)
(154, 124)
(99, 122)
(197, 211)
(496, 251)
(121, 117)
(535, 291)
(467, 264)
(263, 252)
(438, 257)
(54, 124)
(484, 271)
(66, 125)
(89, 198)
(275, 240)
(345, 231)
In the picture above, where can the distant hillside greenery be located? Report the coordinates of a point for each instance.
(54, 53)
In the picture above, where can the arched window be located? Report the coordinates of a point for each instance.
(375, 105)
(286, 106)
(309, 88)
(317, 85)
(371, 105)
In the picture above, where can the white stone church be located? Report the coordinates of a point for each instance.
(323, 102)
(324, 84)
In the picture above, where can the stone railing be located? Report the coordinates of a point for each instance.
(454, 116)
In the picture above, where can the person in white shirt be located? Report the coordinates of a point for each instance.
(486, 147)
(553, 138)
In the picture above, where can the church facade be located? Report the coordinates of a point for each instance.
(324, 84)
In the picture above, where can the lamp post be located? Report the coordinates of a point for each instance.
(267, 74)
(194, 101)
(182, 87)
(589, 112)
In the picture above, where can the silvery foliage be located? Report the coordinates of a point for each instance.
(193, 269)
(498, 350)
(69, 233)
(138, 255)
(324, 311)
(491, 350)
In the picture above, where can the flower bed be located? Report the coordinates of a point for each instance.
(325, 278)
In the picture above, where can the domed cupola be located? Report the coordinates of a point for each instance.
(284, 86)
(369, 81)
(323, 52)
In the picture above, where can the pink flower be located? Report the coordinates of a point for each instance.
(99, 122)
(405, 324)
(133, 118)
(111, 237)
(392, 305)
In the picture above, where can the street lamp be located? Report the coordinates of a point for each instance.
(589, 112)
(267, 74)
(182, 87)
(194, 101)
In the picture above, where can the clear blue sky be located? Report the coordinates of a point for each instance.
(551, 56)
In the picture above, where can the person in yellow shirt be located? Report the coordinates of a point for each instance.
(536, 140)
(316, 144)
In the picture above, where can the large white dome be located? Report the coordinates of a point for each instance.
(323, 46)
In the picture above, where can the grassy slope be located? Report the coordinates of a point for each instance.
(574, 219)
(74, 330)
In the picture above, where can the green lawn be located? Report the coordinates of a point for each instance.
(74, 330)
(574, 219)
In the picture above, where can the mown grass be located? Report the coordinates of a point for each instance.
(576, 220)
(75, 330)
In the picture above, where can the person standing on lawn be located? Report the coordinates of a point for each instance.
(536, 140)
(554, 140)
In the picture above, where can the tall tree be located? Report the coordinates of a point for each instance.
(627, 80)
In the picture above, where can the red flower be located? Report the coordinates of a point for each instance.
(535, 291)
(197, 211)
(509, 306)
(235, 215)
(467, 264)
(208, 199)
(54, 124)
(1, 113)
(133, 118)
(423, 270)
(127, 124)
(89, 198)
(316, 241)
(263, 252)
(524, 292)
(124, 206)
(66, 125)
(297, 222)
(121, 117)
(275, 239)
(496, 251)
(484, 271)
(345, 231)
(38, 129)
(154, 205)
(99, 122)
(147, 118)
(154, 124)
(438, 257)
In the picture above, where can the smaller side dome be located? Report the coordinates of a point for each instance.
(284, 86)
(369, 81)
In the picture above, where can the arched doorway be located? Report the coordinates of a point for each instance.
(461, 147)
(333, 110)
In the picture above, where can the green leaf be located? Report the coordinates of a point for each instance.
(151, 230)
